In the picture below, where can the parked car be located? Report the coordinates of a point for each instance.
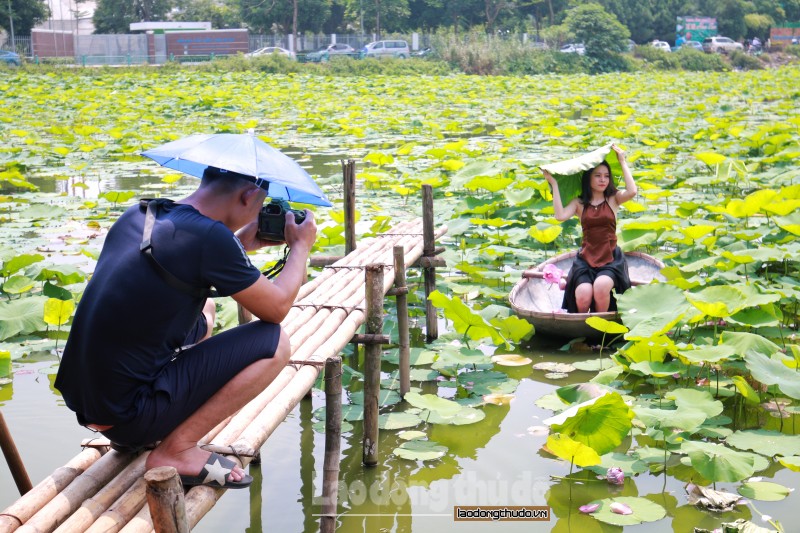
(719, 44)
(267, 50)
(697, 45)
(10, 58)
(661, 45)
(424, 52)
(386, 49)
(323, 54)
(573, 48)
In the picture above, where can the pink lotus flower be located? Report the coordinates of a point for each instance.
(552, 274)
(620, 508)
(589, 508)
(615, 476)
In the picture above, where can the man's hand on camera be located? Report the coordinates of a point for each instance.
(247, 236)
(300, 236)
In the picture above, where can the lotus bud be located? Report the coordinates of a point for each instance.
(589, 508)
(615, 476)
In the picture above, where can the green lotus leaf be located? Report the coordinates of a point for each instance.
(606, 326)
(19, 262)
(412, 435)
(433, 403)
(792, 463)
(766, 442)
(510, 359)
(58, 312)
(18, 285)
(513, 327)
(745, 343)
(790, 223)
(22, 317)
(758, 317)
(398, 420)
(763, 491)
(629, 464)
(65, 274)
(385, 397)
(659, 369)
(716, 462)
(319, 427)
(659, 305)
(416, 357)
(710, 158)
(708, 354)
(465, 321)
(770, 371)
(683, 419)
(744, 388)
(601, 425)
(465, 416)
(695, 399)
(718, 301)
(571, 450)
(420, 450)
(483, 382)
(643, 509)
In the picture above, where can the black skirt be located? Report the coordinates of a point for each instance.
(581, 272)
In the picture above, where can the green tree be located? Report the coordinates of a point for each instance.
(220, 14)
(116, 16)
(277, 16)
(25, 14)
(602, 34)
(379, 15)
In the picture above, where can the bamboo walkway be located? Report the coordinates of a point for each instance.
(101, 490)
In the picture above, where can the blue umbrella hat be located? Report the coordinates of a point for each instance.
(243, 154)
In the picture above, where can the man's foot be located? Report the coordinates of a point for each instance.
(192, 462)
(216, 473)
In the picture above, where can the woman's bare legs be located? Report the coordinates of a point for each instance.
(602, 293)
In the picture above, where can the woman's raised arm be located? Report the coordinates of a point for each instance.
(630, 189)
(562, 213)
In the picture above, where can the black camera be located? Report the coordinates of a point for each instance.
(272, 220)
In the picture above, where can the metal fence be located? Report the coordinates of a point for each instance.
(21, 45)
(127, 49)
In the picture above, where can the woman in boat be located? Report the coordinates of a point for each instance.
(600, 264)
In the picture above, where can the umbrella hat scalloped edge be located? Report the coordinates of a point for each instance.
(245, 154)
(568, 173)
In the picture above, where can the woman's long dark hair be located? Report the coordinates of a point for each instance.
(586, 184)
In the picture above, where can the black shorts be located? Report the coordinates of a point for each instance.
(195, 375)
(581, 272)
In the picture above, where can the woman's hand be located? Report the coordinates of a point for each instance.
(550, 179)
(620, 152)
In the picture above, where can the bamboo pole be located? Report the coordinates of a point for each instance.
(82, 487)
(123, 511)
(372, 363)
(165, 500)
(24, 508)
(92, 508)
(429, 248)
(15, 464)
(401, 300)
(349, 172)
(333, 443)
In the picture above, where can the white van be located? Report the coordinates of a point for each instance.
(387, 48)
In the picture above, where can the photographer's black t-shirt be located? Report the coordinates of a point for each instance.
(130, 321)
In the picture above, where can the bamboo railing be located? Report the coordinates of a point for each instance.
(97, 492)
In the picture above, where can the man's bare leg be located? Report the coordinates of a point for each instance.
(179, 448)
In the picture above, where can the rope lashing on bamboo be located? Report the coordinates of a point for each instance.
(349, 309)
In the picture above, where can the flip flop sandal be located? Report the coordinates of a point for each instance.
(215, 474)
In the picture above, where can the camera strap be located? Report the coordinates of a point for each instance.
(275, 269)
(146, 247)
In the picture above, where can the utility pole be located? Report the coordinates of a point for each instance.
(11, 21)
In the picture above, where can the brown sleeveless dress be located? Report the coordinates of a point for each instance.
(599, 255)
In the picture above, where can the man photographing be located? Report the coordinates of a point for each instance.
(134, 367)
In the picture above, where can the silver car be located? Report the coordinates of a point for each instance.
(390, 48)
(720, 44)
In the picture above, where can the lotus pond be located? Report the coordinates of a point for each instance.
(693, 400)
